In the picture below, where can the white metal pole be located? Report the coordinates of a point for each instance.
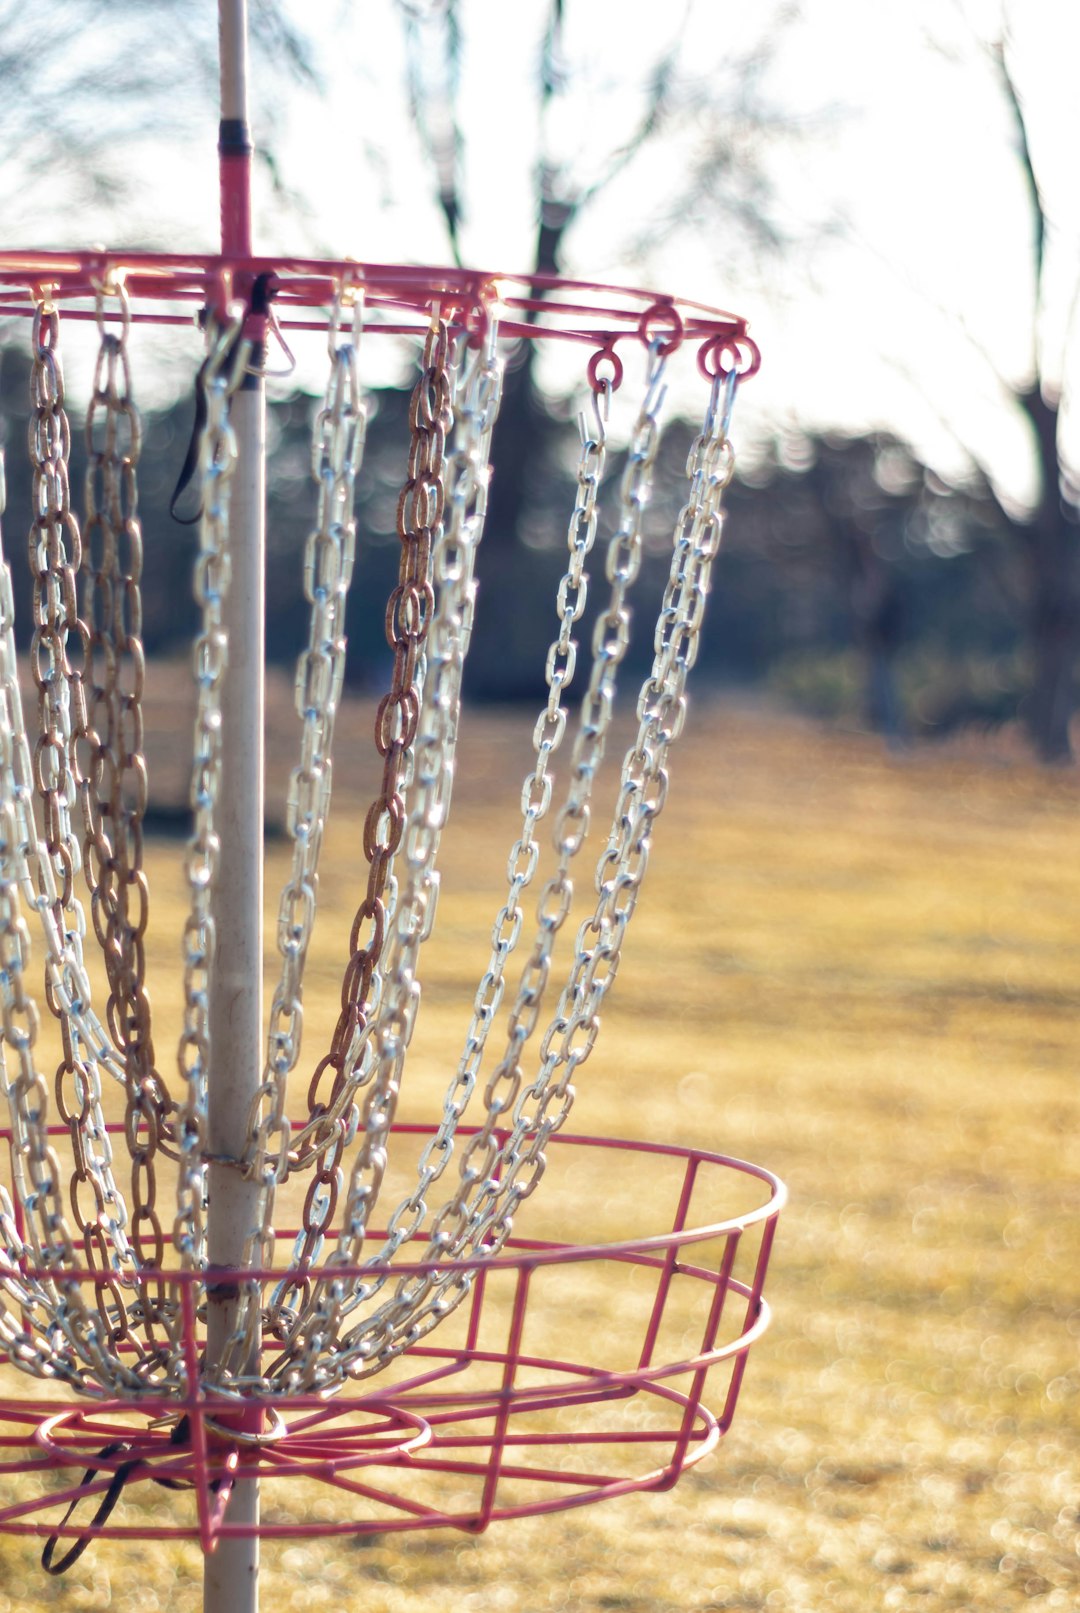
(231, 1574)
(236, 1018)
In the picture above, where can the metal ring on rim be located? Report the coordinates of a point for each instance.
(476, 321)
(742, 351)
(238, 1436)
(658, 312)
(612, 381)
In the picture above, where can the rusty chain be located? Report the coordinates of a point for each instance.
(467, 474)
(336, 452)
(110, 762)
(461, 1221)
(46, 1307)
(60, 652)
(322, 1142)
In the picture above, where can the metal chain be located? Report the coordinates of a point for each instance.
(73, 1342)
(222, 373)
(382, 1061)
(542, 1107)
(88, 674)
(110, 763)
(548, 734)
(455, 559)
(59, 657)
(59, 698)
(408, 614)
(457, 1222)
(336, 452)
(36, 1167)
(519, 1162)
(536, 794)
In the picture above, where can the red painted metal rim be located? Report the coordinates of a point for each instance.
(399, 298)
(529, 1253)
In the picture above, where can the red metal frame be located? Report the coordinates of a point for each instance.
(473, 1406)
(398, 298)
(520, 1431)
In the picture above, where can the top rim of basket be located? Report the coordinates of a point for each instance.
(528, 1252)
(398, 298)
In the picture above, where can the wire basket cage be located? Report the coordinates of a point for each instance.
(477, 1352)
(576, 1371)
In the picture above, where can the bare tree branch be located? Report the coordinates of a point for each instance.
(433, 107)
(1014, 101)
(112, 73)
(1047, 540)
(657, 109)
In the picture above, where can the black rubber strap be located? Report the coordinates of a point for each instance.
(191, 458)
(262, 292)
(105, 1506)
(178, 1435)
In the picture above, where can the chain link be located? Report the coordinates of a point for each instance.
(548, 734)
(464, 1220)
(542, 1106)
(476, 401)
(88, 672)
(337, 448)
(408, 615)
(60, 661)
(59, 1335)
(500, 1184)
(110, 762)
(420, 515)
(227, 359)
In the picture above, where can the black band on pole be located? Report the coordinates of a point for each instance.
(234, 138)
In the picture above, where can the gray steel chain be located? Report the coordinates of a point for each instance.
(542, 1106)
(336, 453)
(420, 1305)
(228, 353)
(572, 1033)
(548, 735)
(381, 1058)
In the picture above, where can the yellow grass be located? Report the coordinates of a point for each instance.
(861, 972)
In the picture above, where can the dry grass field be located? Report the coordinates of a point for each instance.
(862, 971)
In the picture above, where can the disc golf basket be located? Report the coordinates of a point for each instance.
(200, 1279)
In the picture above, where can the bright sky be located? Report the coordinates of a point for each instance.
(911, 284)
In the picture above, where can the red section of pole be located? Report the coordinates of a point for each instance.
(235, 173)
(234, 142)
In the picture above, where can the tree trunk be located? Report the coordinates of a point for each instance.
(1054, 640)
(501, 665)
(521, 431)
(878, 612)
(874, 587)
(1054, 612)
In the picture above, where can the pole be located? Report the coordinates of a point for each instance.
(231, 1573)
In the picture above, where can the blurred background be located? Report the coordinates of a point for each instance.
(860, 973)
(885, 192)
